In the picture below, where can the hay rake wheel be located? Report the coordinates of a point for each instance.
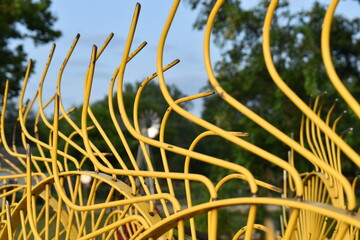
(118, 202)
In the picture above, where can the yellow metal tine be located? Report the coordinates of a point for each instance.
(29, 204)
(136, 51)
(137, 101)
(319, 136)
(98, 126)
(108, 142)
(238, 141)
(328, 64)
(36, 135)
(335, 148)
(112, 226)
(309, 138)
(21, 117)
(137, 233)
(47, 211)
(327, 141)
(87, 90)
(62, 68)
(102, 48)
(239, 176)
(111, 109)
(99, 205)
(66, 148)
(137, 127)
(304, 108)
(294, 98)
(343, 229)
(154, 142)
(161, 134)
(77, 147)
(102, 213)
(58, 212)
(41, 113)
(2, 126)
(162, 131)
(68, 57)
(8, 221)
(23, 227)
(72, 212)
(186, 171)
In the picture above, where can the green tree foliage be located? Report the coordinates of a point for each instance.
(295, 45)
(19, 20)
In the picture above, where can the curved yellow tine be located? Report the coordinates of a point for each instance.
(108, 142)
(136, 108)
(333, 144)
(58, 84)
(317, 135)
(267, 228)
(102, 48)
(260, 152)
(112, 113)
(327, 141)
(2, 133)
(323, 209)
(165, 92)
(112, 226)
(103, 133)
(66, 148)
(26, 111)
(29, 204)
(21, 118)
(274, 131)
(239, 176)
(154, 142)
(186, 171)
(142, 144)
(328, 64)
(308, 112)
(23, 227)
(162, 145)
(63, 65)
(36, 135)
(136, 51)
(2, 126)
(162, 131)
(8, 220)
(40, 112)
(8, 193)
(56, 173)
(164, 158)
(292, 96)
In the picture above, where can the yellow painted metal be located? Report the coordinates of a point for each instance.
(52, 202)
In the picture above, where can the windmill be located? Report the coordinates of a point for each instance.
(149, 122)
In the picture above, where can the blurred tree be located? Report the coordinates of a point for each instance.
(19, 20)
(295, 40)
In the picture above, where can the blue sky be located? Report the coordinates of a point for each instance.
(95, 20)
